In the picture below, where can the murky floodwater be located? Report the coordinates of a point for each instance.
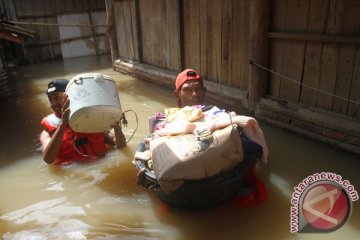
(101, 200)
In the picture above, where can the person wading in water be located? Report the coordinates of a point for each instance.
(60, 144)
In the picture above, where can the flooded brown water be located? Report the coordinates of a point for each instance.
(101, 200)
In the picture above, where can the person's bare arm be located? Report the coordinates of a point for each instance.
(117, 137)
(50, 146)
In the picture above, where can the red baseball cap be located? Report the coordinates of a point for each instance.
(187, 75)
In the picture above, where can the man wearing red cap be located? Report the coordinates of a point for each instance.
(190, 88)
(190, 91)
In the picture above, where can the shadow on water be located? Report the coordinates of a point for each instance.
(228, 221)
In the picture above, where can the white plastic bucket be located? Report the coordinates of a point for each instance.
(94, 102)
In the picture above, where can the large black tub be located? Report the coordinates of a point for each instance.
(205, 192)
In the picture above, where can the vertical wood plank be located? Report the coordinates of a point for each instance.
(236, 42)
(354, 108)
(158, 33)
(37, 9)
(126, 13)
(226, 47)
(146, 10)
(155, 30)
(346, 57)
(186, 33)
(53, 31)
(279, 11)
(317, 25)
(19, 8)
(94, 38)
(214, 40)
(135, 24)
(329, 64)
(111, 29)
(78, 6)
(203, 39)
(143, 33)
(210, 40)
(194, 36)
(343, 77)
(173, 30)
(217, 37)
(293, 51)
(119, 26)
(48, 7)
(85, 5)
(258, 52)
(68, 6)
(245, 45)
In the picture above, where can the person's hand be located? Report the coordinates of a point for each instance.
(65, 110)
(116, 125)
(143, 182)
(141, 177)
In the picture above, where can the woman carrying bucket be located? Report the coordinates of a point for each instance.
(60, 144)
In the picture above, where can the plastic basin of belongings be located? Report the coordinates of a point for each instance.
(94, 102)
(206, 192)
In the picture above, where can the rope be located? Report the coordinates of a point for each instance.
(302, 84)
(56, 24)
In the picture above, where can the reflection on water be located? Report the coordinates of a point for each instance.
(100, 200)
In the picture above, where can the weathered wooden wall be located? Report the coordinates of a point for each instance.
(148, 31)
(314, 44)
(213, 40)
(210, 36)
(47, 45)
(314, 49)
(216, 40)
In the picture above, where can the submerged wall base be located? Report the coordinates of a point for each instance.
(336, 129)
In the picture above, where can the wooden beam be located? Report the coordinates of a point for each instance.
(111, 30)
(11, 37)
(315, 37)
(58, 41)
(258, 50)
(138, 31)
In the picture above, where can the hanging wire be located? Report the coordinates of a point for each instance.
(307, 86)
(302, 84)
(83, 154)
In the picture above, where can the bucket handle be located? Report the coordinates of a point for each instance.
(83, 154)
(78, 81)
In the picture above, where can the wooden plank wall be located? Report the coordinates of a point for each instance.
(209, 36)
(216, 40)
(45, 11)
(126, 29)
(148, 31)
(160, 33)
(327, 66)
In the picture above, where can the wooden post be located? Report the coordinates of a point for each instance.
(258, 51)
(111, 30)
(93, 34)
(138, 31)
